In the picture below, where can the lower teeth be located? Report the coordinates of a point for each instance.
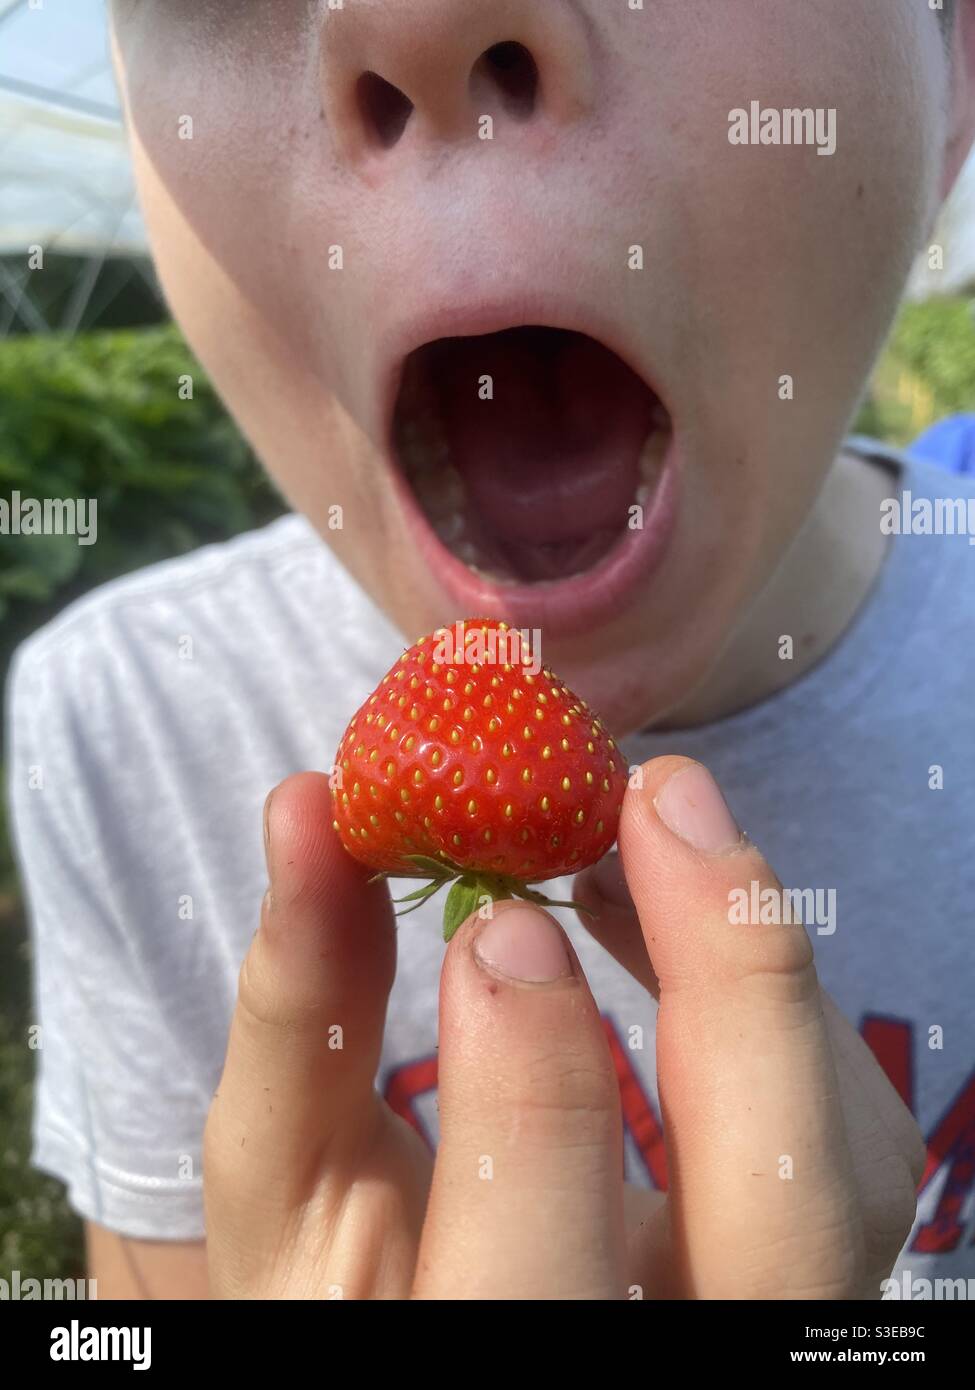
(441, 492)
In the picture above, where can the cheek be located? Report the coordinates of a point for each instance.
(786, 246)
(789, 263)
(226, 108)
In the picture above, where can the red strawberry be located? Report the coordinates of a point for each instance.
(465, 766)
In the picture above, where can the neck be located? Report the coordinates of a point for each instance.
(812, 598)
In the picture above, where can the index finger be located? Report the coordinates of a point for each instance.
(307, 1031)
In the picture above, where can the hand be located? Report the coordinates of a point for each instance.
(755, 1065)
(314, 1188)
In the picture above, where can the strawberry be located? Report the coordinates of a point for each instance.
(470, 765)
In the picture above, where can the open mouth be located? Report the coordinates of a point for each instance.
(534, 453)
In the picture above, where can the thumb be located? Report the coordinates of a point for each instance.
(761, 1176)
(527, 1196)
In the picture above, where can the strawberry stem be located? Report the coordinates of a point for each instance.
(471, 889)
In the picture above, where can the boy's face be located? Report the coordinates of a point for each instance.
(604, 448)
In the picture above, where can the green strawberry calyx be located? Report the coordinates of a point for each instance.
(470, 889)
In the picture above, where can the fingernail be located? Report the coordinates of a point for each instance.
(267, 827)
(610, 881)
(524, 945)
(691, 805)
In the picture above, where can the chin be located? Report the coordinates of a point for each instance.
(632, 671)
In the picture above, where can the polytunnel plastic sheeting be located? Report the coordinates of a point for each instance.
(952, 242)
(65, 174)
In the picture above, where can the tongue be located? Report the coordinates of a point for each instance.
(551, 462)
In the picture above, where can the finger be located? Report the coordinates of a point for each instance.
(611, 918)
(527, 1195)
(608, 914)
(760, 1171)
(307, 1030)
(885, 1143)
(888, 1152)
(872, 1096)
(652, 1275)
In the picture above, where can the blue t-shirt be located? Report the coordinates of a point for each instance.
(950, 443)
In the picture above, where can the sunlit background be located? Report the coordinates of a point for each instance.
(88, 407)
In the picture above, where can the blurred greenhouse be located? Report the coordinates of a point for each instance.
(72, 242)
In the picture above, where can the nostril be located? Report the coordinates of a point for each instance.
(385, 109)
(511, 70)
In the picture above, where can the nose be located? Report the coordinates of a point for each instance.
(433, 69)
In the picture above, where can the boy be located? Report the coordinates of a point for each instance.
(675, 311)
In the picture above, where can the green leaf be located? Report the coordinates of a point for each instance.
(436, 868)
(462, 900)
(531, 896)
(423, 894)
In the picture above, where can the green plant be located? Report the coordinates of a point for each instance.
(936, 340)
(129, 419)
(39, 1234)
(927, 370)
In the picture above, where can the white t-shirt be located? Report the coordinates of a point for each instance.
(150, 719)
